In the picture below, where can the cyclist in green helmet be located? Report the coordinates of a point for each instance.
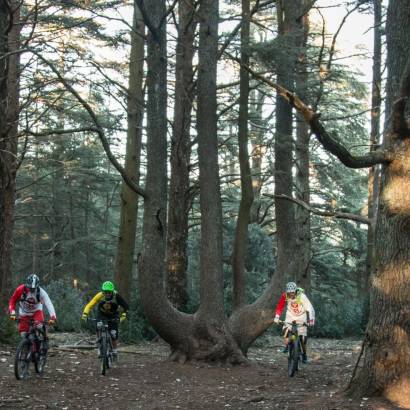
(110, 306)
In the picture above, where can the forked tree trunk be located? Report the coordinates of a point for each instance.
(251, 321)
(387, 345)
(179, 195)
(129, 199)
(204, 335)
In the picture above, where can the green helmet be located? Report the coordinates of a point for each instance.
(107, 286)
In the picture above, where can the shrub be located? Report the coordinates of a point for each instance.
(68, 303)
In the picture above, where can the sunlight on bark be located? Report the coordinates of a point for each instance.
(396, 195)
(399, 392)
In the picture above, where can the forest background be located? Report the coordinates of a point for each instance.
(222, 194)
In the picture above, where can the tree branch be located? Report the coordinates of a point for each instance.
(147, 20)
(99, 130)
(312, 118)
(332, 214)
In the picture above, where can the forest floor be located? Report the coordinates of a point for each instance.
(144, 379)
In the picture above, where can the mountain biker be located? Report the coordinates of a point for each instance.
(31, 297)
(299, 309)
(108, 302)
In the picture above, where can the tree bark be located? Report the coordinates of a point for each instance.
(258, 151)
(374, 174)
(387, 346)
(284, 212)
(302, 158)
(129, 199)
(241, 233)
(179, 195)
(9, 114)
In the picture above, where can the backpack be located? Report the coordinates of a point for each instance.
(24, 295)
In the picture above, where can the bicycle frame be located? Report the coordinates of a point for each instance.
(295, 346)
(32, 348)
(104, 343)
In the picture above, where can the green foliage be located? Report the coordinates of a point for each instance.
(68, 303)
(8, 331)
(136, 327)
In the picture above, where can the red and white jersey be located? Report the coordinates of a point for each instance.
(30, 302)
(296, 309)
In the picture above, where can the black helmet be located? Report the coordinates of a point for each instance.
(33, 281)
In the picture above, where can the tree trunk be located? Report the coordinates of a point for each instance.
(129, 199)
(302, 188)
(251, 321)
(179, 195)
(258, 151)
(387, 345)
(241, 233)
(374, 174)
(9, 113)
(284, 212)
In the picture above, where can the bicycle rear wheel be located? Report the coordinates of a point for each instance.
(22, 360)
(293, 359)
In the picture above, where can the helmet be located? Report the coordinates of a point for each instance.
(291, 287)
(33, 281)
(107, 286)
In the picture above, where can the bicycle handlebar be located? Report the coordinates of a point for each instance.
(89, 319)
(282, 322)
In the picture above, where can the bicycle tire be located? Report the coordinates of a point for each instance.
(103, 352)
(293, 359)
(109, 353)
(41, 357)
(22, 360)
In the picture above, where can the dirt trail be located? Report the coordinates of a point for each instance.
(144, 379)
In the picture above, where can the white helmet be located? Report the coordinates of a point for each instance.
(33, 281)
(291, 287)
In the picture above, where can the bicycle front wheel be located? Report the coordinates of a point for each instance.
(22, 360)
(40, 361)
(293, 359)
(103, 358)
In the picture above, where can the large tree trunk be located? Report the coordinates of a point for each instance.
(302, 188)
(179, 195)
(251, 321)
(374, 174)
(205, 334)
(9, 112)
(241, 234)
(387, 346)
(129, 199)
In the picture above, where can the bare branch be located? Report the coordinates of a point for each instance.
(331, 214)
(329, 143)
(99, 130)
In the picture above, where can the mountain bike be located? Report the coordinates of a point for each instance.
(295, 347)
(104, 343)
(32, 348)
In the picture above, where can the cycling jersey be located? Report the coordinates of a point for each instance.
(296, 309)
(30, 302)
(108, 308)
